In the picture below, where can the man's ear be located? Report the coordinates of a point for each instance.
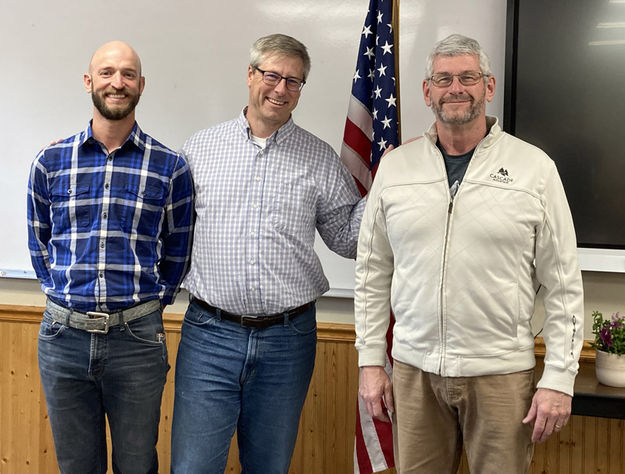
(87, 82)
(426, 92)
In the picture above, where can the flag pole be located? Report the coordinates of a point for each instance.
(395, 23)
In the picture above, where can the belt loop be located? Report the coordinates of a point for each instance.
(286, 318)
(68, 317)
(122, 323)
(218, 313)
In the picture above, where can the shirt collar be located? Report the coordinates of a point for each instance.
(492, 135)
(278, 136)
(137, 137)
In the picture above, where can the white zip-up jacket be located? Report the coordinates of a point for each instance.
(461, 275)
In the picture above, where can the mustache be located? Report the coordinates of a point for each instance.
(456, 98)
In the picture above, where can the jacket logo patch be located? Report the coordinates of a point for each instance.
(501, 176)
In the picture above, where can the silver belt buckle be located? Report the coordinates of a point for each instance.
(97, 316)
(248, 317)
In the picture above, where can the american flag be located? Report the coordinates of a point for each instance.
(372, 124)
(371, 127)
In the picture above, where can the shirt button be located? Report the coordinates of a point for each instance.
(104, 215)
(110, 158)
(69, 191)
(101, 275)
(106, 186)
(101, 245)
(257, 178)
(252, 262)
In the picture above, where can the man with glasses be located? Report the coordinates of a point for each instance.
(460, 227)
(247, 349)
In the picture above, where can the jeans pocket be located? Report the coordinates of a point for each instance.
(147, 329)
(49, 328)
(304, 324)
(197, 317)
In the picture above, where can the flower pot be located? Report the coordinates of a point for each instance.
(610, 369)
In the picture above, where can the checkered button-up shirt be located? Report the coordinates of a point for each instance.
(109, 230)
(257, 211)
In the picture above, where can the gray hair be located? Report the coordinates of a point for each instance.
(282, 45)
(455, 45)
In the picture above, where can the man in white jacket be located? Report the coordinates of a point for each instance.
(461, 227)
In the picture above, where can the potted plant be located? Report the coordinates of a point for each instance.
(610, 344)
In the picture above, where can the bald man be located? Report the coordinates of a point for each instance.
(109, 232)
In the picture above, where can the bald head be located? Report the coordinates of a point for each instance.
(115, 50)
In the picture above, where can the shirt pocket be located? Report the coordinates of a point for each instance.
(71, 207)
(294, 207)
(143, 208)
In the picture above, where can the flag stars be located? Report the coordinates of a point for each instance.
(380, 15)
(369, 53)
(382, 144)
(356, 76)
(367, 31)
(382, 70)
(387, 48)
(386, 122)
(391, 101)
(372, 74)
(377, 91)
(375, 113)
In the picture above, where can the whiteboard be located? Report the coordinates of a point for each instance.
(195, 58)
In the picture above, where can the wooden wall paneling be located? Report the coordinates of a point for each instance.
(25, 436)
(326, 435)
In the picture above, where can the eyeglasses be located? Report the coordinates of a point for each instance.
(273, 79)
(467, 78)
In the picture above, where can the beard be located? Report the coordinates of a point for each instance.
(117, 113)
(474, 110)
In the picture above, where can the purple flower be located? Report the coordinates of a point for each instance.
(617, 320)
(606, 337)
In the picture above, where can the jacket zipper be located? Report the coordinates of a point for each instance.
(443, 320)
(441, 364)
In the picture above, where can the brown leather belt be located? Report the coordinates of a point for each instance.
(254, 322)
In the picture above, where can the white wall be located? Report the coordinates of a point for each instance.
(195, 58)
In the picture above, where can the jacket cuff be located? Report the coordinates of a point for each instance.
(562, 380)
(368, 357)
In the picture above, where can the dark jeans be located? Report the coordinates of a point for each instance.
(121, 375)
(254, 380)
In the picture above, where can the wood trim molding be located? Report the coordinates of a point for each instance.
(327, 332)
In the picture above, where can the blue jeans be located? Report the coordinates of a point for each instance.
(121, 375)
(254, 380)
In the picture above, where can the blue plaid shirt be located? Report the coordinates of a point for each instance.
(108, 231)
(257, 210)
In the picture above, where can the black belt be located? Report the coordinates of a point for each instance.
(254, 322)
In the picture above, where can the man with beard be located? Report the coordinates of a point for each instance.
(460, 227)
(109, 232)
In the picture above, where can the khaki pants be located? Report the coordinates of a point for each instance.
(437, 415)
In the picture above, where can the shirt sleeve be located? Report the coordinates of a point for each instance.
(39, 222)
(177, 231)
(341, 210)
(374, 273)
(557, 269)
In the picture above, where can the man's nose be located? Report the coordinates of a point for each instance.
(455, 85)
(280, 87)
(117, 81)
